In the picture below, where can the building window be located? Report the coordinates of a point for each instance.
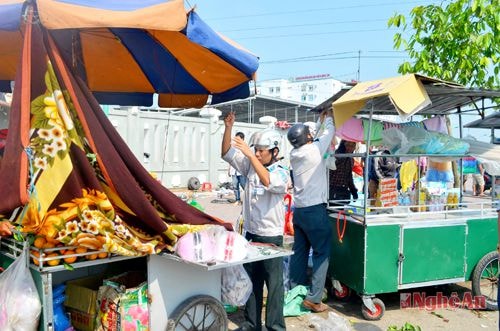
(303, 97)
(271, 90)
(311, 88)
(278, 90)
(310, 97)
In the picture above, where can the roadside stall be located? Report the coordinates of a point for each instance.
(427, 234)
(179, 294)
(89, 214)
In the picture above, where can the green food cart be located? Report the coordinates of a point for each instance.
(379, 250)
(387, 253)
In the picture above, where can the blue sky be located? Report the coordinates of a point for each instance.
(297, 38)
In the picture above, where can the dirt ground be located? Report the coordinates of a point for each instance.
(437, 319)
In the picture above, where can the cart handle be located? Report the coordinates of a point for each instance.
(340, 234)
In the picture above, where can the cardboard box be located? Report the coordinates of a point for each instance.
(81, 301)
(81, 294)
(82, 321)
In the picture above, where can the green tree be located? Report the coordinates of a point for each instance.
(459, 42)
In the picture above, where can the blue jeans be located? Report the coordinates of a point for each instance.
(238, 181)
(312, 230)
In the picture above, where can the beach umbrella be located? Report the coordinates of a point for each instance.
(126, 51)
(66, 173)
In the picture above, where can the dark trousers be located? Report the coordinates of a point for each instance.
(269, 272)
(312, 230)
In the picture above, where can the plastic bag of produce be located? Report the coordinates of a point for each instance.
(20, 305)
(236, 285)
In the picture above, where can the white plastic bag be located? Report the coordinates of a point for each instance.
(20, 305)
(334, 322)
(236, 285)
(213, 243)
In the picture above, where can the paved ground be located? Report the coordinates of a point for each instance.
(438, 319)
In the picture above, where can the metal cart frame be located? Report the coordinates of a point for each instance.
(381, 252)
(179, 291)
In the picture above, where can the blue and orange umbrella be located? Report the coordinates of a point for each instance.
(66, 173)
(126, 51)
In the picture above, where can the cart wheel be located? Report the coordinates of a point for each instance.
(198, 313)
(379, 310)
(485, 279)
(343, 295)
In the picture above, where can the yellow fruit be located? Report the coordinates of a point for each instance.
(81, 250)
(61, 250)
(48, 245)
(101, 239)
(91, 257)
(39, 242)
(35, 259)
(70, 259)
(53, 241)
(55, 261)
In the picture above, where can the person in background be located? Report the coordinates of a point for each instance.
(341, 183)
(238, 180)
(310, 219)
(264, 218)
(381, 166)
(474, 170)
(422, 165)
(439, 172)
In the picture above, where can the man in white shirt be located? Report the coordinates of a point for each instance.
(310, 219)
(264, 217)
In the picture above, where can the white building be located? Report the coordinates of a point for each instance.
(311, 89)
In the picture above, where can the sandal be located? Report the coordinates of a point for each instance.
(315, 307)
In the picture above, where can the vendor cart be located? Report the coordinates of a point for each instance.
(384, 253)
(91, 158)
(379, 250)
(182, 295)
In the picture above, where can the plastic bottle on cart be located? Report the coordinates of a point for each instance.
(449, 201)
(442, 202)
(400, 199)
(455, 200)
(412, 195)
(422, 201)
(406, 199)
(432, 204)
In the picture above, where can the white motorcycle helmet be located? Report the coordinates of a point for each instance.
(269, 139)
(266, 139)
